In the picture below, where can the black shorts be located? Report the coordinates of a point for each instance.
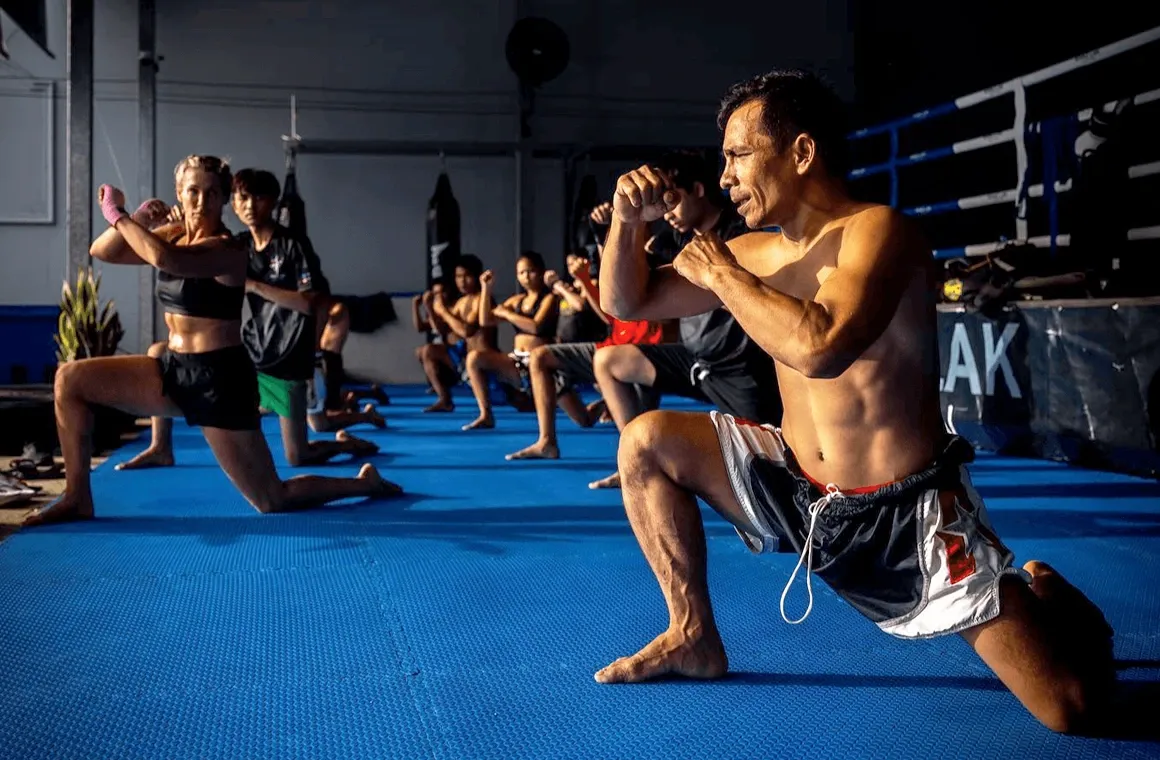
(457, 353)
(575, 362)
(217, 389)
(746, 389)
(918, 556)
(523, 360)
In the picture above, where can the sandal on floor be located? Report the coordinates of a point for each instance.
(27, 469)
(14, 492)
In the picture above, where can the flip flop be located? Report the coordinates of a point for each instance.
(14, 491)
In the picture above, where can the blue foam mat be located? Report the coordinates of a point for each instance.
(466, 620)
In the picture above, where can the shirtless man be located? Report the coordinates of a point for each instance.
(441, 359)
(445, 363)
(843, 299)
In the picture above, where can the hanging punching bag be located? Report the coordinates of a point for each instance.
(442, 231)
(583, 235)
(291, 209)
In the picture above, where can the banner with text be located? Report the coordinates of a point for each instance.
(1072, 383)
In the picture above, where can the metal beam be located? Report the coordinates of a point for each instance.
(146, 153)
(398, 148)
(80, 134)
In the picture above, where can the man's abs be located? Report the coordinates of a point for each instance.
(876, 423)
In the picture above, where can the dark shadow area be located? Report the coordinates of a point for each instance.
(861, 681)
(1139, 489)
(495, 526)
(1032, 523)
(1132, 714)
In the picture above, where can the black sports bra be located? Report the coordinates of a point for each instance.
(199, 296)
(546, 330)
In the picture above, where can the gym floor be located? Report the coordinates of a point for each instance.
(466, 619)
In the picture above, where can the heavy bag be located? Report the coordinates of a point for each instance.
(1099, 227)
(583, 234)
(291, 209)
(443, 228)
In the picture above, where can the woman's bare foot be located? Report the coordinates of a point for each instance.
(671, 653)
(380, 488)
(612, 481)
(359, 447)
(538, 450)
(598, 411)
(441, 406)
(148, 458)
(483, 422)
(374, 417)
(64, 508)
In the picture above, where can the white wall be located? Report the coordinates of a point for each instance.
(409, 71)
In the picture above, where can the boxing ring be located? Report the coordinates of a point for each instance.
(1017, 133)
(1064, 378)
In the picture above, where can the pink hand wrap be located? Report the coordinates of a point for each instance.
(111, 212)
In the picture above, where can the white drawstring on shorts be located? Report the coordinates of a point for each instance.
(697, 373)
(807, 556)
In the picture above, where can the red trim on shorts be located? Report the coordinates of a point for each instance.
(821, 486)
(848, 491)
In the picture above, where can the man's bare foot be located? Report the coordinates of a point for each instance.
(148, 458)
(64, 508)
(441, 406)
(359, 447)
(1081, 631)
(380, 488)
(538, 450)
(670, 653)
(374, 417)
(480, 423)
(612, 481)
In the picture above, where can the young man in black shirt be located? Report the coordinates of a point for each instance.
(281, 332)
(714, 361)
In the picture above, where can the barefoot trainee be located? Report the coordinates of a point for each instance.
(280, 334)
(445, 363)
(441, 359)
(554, 369)
(204, 374)
(862, 480)
(532, 313)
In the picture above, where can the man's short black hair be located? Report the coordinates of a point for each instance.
(795, 101)
(471, 263)
(258, 183)
(688, 167)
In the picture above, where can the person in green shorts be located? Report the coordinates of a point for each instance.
(279, 335)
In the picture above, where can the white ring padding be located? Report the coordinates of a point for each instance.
(1020, 161)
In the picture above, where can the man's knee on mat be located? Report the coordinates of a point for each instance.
(1022, 646)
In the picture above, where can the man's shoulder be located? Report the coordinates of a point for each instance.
(885, 228)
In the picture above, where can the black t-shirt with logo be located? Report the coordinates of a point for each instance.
(715, 337)
(281, 341)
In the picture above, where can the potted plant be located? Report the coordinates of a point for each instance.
(86, 329)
